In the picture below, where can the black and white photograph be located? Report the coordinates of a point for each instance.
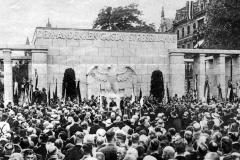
(120, 80)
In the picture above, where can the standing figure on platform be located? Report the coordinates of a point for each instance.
(207, 91)
(122, 105)
(112, 104)
(230, 91)
(219, 92)
(195, 96)
(237, 91)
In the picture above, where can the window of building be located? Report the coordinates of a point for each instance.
(194, 26)
(188, 45)
(200, 23)
(183, 46)
(178, 34)
(201, 6)
(194, 43)
(182, 32)
(188, 30)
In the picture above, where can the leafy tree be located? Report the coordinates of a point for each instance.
(122, 19)
(222, 29)
(69, 83)
(157, 85)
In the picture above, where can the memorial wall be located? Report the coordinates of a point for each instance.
(103, 60)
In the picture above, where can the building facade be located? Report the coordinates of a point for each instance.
(189, 24)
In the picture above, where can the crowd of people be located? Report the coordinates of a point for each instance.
(182, 129)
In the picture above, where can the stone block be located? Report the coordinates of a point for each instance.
(86, 59)
(134, 45)
(176, 60)
(111, 60)
(146, 78)
(146, 45)
(87, 43)
(98, 60)
(78, 51)
(105, 52)
(122, 44)
(72, 42)
(157, 45)
(49, 59)
(72, 60)
(144, 86)
(152, 68)
(39, 57)
(153, 52)
(117, 52)
(53, 68)
(158, 60)
(123, 60)
(90, 51)
(62, 60)
(170, 45)
(98, 43)
(53, 51)
(140, 52)
(141, 69)
(129, 52)
(166, 60)
(147, 60)
(163, 53)
(135, 60)
(65, 51)
(59, 42)
(139, 79)
(80, 69)
(41, 68)
(110, 44)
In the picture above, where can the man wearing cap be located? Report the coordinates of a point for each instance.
(76, 152)
(110, 150)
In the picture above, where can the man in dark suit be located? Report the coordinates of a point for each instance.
(122, 106)
(95, 127)
(76, 152)
(75, 127)
(42, 148)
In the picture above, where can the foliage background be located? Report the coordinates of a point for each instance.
(157, 85)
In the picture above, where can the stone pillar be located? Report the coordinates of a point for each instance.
(235, 69)
(39, 64)
(177, 74)
(200, 71)
(219, 73)
(30, 69)
(8, 82)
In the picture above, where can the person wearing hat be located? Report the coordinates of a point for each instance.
(110, 150)
(142, 123)
(127, 124)
(76, 152)
(44, 96)
(95, 126)
(186, 120)
(42, 148)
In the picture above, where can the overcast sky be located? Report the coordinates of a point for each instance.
(19, 18)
